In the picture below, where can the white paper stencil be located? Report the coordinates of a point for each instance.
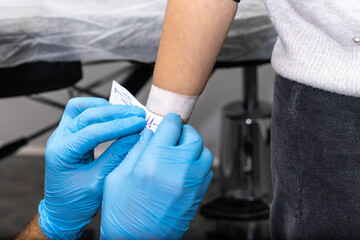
(120, 96)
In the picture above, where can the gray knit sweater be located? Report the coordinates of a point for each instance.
(319, 43)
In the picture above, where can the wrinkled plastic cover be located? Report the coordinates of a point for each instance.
(95, 30)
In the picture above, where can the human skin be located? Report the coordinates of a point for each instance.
(32, 230)
(192, 35)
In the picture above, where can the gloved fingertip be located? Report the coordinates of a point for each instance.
(169, 131)
(191, 138)
(146, 134)
(173, 117)
(136, 110)
(131, 138)
(124, 144)
(138, 122)
(190, 133)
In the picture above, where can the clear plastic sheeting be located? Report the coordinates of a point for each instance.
(94, 30)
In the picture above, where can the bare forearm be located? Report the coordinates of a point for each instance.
(192, 36)
(32, 230)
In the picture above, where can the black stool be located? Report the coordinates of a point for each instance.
(245, 174)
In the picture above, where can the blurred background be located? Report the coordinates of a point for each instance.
(46, 30)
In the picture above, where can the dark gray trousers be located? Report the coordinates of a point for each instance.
(315, 163)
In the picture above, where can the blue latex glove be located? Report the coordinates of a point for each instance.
(73, 180)
(156, 190)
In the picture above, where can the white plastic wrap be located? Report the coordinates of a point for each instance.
(93, 30)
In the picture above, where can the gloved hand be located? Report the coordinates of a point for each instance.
(73, 180)
(156, 190)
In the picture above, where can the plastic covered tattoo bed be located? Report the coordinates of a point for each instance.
(94, 30)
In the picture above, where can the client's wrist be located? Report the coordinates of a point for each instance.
(162, 102)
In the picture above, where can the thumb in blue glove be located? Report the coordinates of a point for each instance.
(156, 190)
(73, 179)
